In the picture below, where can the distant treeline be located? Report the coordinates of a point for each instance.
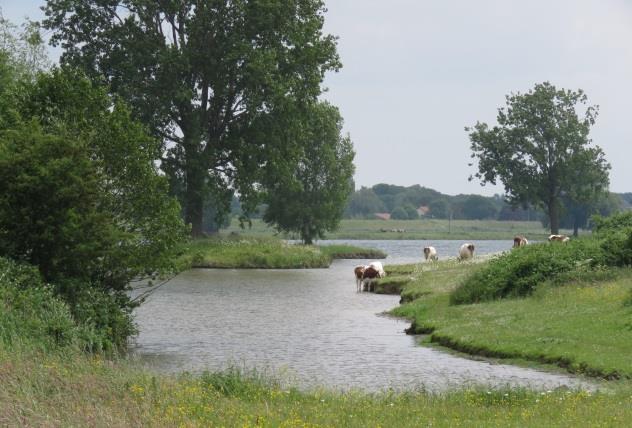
(417, 201)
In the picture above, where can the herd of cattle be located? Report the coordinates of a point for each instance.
(367, 274)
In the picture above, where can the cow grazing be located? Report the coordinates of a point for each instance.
(520, 241)
(559, 238)
(430, 253)
(359, 273)
(466, 251)
(369, 276)
(378, 267)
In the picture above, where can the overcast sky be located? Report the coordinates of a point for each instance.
(416, 72)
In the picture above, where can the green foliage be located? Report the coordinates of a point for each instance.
(340, 251)
(477, 207)
(603, 226)
(80, 197)
(399, 213)
(204, 80)
(308, 196)
(615, 233)
(411, 212)
(29, 311)
(364, 203)
(23, 49)
(540, 150)
(439, 208)
(518, 272)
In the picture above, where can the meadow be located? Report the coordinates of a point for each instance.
(424, 228)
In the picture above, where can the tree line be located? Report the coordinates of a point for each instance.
(403, 203)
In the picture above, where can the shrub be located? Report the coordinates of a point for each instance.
(617, 247)
(615, 233)
(30, 312)
(518, 272)
(614, 223)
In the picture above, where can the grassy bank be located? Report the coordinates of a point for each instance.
(264, 253)
(48, 389)
(582, 326)
(421, 229)
(46, 380)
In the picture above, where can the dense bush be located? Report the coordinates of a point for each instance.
(615, 234)
(82, 200)
(614, 223)
(29, 311)
(518, 272)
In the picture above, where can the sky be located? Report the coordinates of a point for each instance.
(416, 72)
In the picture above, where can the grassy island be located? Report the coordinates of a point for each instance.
(265, 253)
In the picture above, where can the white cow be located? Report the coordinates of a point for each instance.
(430, 253)
(466, 251)
(559, 238)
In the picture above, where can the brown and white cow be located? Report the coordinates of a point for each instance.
(559, 238)
(466, 251)
(373, 271)
(430, 253)
(520, 241)
(358, 271)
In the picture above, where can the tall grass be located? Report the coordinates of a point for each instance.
(74, 390)
(264, 253)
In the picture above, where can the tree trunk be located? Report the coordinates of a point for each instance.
(575, 225)
(194, 193)
(554, 215)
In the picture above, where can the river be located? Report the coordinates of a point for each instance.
(311, 328)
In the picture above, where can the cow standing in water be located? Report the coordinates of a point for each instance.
(368, 274)
(359, 274)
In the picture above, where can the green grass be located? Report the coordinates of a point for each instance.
(50, 389)
(56, 384)
(585, 327)
(418, 229)
(351, 252)
(264, 253)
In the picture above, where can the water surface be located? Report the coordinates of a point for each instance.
(312, 327)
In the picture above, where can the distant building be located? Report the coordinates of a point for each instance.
(423, 210)
(383, 216)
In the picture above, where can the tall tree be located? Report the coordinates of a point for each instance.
(200, 73)
(540, 150)
(310, 196)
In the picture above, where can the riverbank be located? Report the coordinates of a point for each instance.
(424, 229)
(72, 389)
(583, 326)
(46, 380)
(244, 252)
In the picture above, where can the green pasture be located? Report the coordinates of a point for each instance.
(416, 229)
(582, 326)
